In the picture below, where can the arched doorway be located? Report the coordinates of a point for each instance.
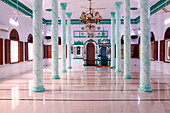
(90, 54)
(104, 56)
(167, 45)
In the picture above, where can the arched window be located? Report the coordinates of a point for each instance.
(29, 51)
(14, 46)
(30, 38)
(78, 50)
(14, 35)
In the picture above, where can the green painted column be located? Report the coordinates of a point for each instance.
(63, 37)
(145, 47)
(112, 40)
(55, 40)
(69, 40)
(37, 48)
(118, 37)
(127, 41)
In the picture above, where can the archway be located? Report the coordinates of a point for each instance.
(104, 56)
(14, 35)
(90, 54)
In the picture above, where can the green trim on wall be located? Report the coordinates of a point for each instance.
(77, 58)
(78, 43)
(80, 31)
(27, 11)
(155, 8)
(90, 40)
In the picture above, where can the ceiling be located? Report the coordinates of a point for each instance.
(74, 7)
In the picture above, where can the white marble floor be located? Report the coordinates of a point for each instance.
(85, 90)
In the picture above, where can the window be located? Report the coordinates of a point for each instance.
(167, 50)
(78, 50)
(152, 51)
(14, 51)
(30, 51)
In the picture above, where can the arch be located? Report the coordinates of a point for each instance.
(152, 37)
(167, 34)
(14, 35)
(30, 38)
(59, 40)
(91, 40)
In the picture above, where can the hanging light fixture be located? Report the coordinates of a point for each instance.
(90, 16)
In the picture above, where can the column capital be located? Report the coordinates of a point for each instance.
(69, 14)
(63, 6)
(112, 14)
(118, 4)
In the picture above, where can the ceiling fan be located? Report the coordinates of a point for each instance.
(90, 7)
(165, 9)
(16, 13)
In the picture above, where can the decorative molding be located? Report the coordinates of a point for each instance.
(83, 34)
(78, 43)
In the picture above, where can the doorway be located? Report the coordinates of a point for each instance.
(90, 54)
(103, 56)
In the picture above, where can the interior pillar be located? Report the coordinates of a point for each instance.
(55, 40)
(37, 47)
(145, 47)
(63, 37)
(69, 40)
(113, 40)
(127, 41)
(118, 38)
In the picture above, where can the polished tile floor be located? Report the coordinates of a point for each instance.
(85, 90)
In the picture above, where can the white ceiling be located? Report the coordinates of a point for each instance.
(74, 7)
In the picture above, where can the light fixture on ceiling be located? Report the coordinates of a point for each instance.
(90, 15)
(14, 21)
(167, 21)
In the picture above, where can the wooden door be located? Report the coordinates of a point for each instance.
(90, 54)
(1, 51)
(162, 50)
(7, 51)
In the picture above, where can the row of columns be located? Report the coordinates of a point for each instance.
(144, 46)
(37, 43)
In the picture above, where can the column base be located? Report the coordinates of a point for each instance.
(145, 90)
(38, 89)
(127, 77)
(55, 77)
(117, 70)
(112, 67)
(69, 67)
(63, 71)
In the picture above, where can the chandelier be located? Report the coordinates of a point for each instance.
(90, 15)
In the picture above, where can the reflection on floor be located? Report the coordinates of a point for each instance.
(85, 90)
